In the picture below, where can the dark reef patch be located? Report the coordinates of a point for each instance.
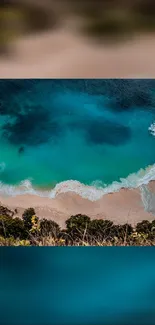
(140, 99)
(9, 90)
(125, 94)
(106, 132)
(33, 128)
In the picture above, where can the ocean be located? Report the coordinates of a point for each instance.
(84, 135)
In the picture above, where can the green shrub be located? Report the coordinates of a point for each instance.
(12, 227)
(100, 229)
(27, 218)
(76, 226)
(122, 231)
(49, 228)
(95, 230)
(4, 211)
(153, 225)
(144, 227)
(10, 241)
(106, 230)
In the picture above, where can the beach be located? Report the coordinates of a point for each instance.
(124, 206)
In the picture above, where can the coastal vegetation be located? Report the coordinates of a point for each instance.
(80, 230)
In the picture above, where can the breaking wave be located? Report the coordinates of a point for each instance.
(91, 192)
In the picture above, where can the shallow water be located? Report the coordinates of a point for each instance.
(91, 131)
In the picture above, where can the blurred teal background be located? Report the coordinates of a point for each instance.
(58, 286)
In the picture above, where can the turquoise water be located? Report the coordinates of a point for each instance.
(91, 131)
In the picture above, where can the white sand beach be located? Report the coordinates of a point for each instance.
(119, 207)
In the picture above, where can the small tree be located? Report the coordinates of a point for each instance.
(144, 227)
(4, 211)
(27, 218)
(77, 226)
(100, 229)
(49, 228)
(123, 232)
(10, 227)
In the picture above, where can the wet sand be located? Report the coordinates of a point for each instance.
(120, 207)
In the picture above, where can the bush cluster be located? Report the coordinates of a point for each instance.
(79, 229)
(12, 227)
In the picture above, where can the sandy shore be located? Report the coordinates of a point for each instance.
(120, 207)
(66, 54)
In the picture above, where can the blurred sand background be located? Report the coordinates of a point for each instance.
(62, 54)
(80, 39)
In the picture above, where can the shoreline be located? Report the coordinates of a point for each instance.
(93, 192)
(123, 206)
(131, 200)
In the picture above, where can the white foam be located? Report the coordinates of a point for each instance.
(93, 192)
(152, 129)
(148, 199)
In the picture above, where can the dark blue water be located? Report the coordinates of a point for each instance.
(77, 286)
(91, 131)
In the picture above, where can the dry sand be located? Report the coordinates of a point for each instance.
(66, 54)
(120, 207)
